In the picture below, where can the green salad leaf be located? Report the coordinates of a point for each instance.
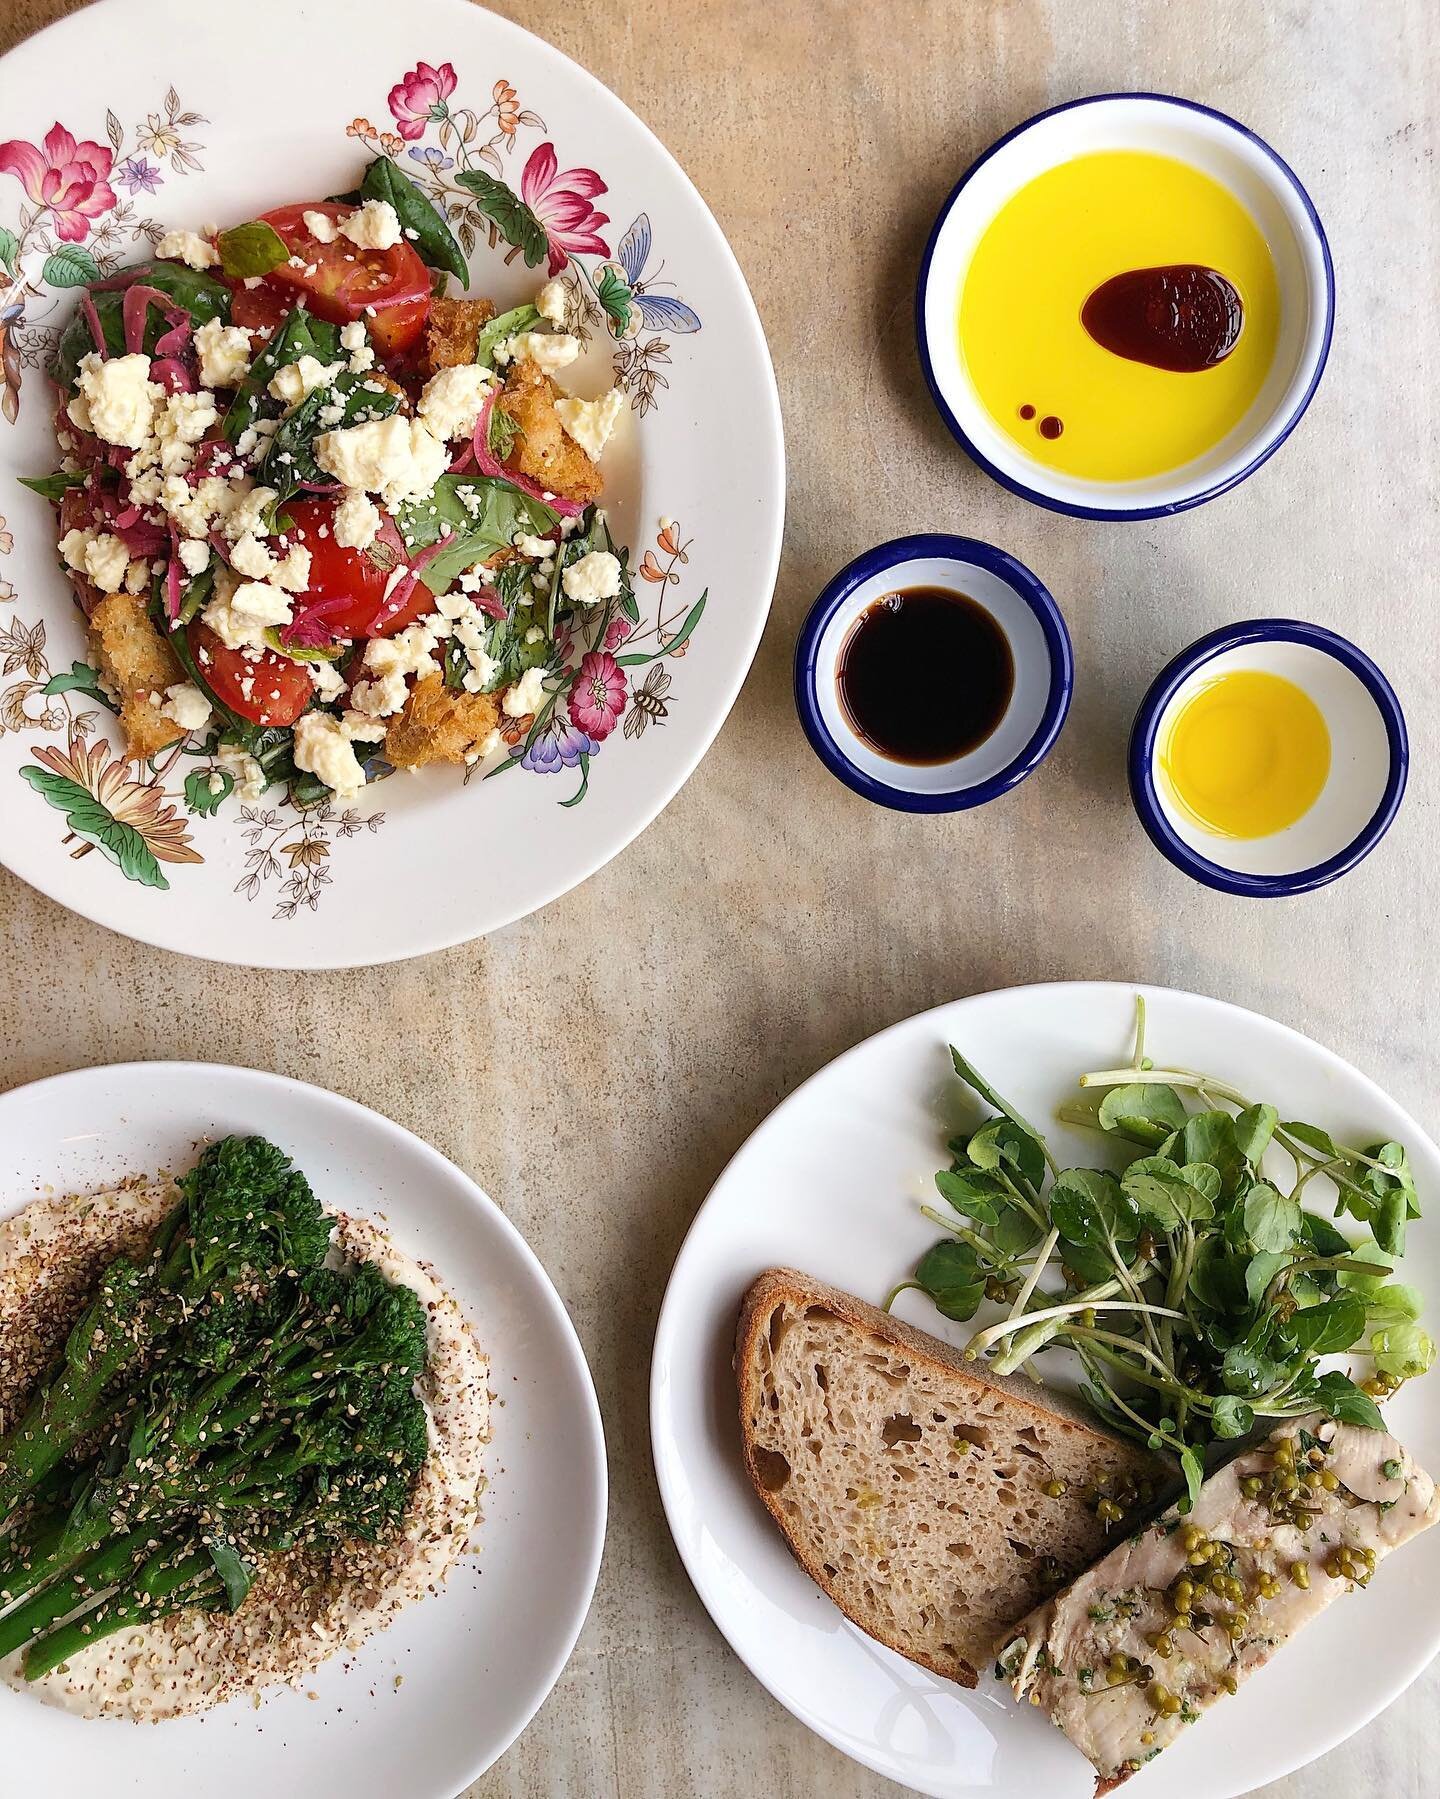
(1200, 1290)
(200, 294)
(422, 222)
(251, 249)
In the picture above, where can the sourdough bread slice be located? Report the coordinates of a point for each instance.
(911, 1486)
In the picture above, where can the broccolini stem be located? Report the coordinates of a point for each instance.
(157, 1590)
(94, 1575)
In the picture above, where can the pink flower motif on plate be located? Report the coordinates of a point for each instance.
(560, 199)
(68, 178)
(598, 697)
(419, 96)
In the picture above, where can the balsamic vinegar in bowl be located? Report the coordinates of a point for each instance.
(925, 675)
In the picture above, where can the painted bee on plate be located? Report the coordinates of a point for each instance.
(647, 702)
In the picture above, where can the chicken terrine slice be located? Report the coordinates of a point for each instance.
(1180, 1613)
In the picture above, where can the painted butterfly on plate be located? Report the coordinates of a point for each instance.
(623, 289)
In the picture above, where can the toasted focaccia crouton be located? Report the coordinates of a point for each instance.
(139, 664)
(451, 331)
(542, 449)
(440, 725)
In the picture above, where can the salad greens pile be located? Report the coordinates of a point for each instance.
(1197, 1288)
(224, 1396)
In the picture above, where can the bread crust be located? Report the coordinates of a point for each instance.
(778, 1286)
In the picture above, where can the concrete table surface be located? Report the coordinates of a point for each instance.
(595, 1066)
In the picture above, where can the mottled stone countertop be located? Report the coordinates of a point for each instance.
(738, 945)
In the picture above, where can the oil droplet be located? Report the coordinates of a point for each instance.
(1027, 411)
(1050, 426)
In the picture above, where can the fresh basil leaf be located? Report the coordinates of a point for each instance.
(951, 1274)
(507, 324)
(1146, 1113)
(53, 487)
(1253, 1130)
(199, 294)
(508, 212)
(251, 249)
(1338, 1396)
(1403, 1351)
(476, 531)
(973, 1194)
(423, 224)
(1231, 1417)
(298, 334)
(1329, 1328)
(1272, 1219)
(1088, 1207)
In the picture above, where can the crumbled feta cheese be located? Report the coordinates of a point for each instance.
(373, 226)
(408, 652)
(179, 425)
(240, 620)
(73, 546)
(355, 340)
(550, 301)
(297, 380)
(120, 398)
(453, 398)
(224, 353)
(292, 570)
(107, 562)
(548, 350)
(590, 422)
(137, 576)
(187, 246)
(360, 729)
(380, 697)
(249, 513)
(321, 227)
(595, 577)
(196, 509)
(323, 750)
(398, 458)
(534, 635)
(357, 519)
(329, 683)
(250, 557)
(187, 706)
(526, 696)
(536, 548)
(194, 556)
(243, 769)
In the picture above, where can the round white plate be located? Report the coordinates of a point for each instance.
(830, 1183)
(214, 122)
(478, 1659)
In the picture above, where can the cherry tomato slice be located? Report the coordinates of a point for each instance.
(271, 690)
(347, 586)
(257, 308)
(389, 289)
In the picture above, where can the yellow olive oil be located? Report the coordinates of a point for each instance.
(1158, 234)
(1246, 755)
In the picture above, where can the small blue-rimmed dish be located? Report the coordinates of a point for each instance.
(1230, 154)
(1369, 759)
(1040, 652)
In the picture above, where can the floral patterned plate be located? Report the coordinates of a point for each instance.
(119, 126)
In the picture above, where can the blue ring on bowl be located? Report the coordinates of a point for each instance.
(1171, 507)
(937, 545)
(1146, 729)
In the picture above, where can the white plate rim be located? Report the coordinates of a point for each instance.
(71, 1084)
(670, 1326)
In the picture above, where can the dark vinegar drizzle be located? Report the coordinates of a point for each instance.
(1183, 317)
(925, 675)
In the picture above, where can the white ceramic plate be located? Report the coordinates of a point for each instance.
(208, 121)
(830, 1183)
(479, 1658)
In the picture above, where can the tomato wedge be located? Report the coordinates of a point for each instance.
(389, 289)
(347, 586)
(271, 690)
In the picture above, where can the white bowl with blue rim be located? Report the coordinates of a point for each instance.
(1240, 162)
(1039, 644)
(1369, 760)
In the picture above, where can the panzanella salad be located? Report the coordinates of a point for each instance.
(324, 521)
